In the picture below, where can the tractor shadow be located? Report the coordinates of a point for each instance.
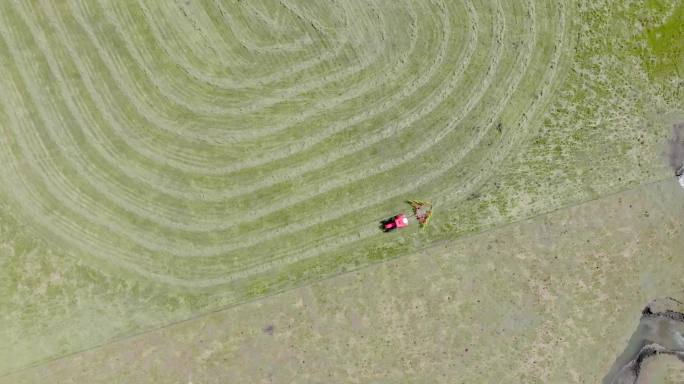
(384, 223)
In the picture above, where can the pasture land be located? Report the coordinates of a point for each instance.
(164, 160)
(553, 299)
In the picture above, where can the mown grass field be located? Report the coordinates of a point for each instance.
(163, 160)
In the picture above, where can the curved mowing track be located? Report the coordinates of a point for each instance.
(195, 143)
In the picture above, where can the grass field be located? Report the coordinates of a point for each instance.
(552, 299)
(163, 160)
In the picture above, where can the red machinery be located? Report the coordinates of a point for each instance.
(398, 221)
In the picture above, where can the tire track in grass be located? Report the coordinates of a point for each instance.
(33, 207)
(34, 95)
(56, 181)
(261, 45)
(277, 29)
(205, 196)
(117, 197)
(261, 99)
(368, 232)
(353, 95)
(550, 77)
(97, 177)
(338, 154)
(162, 39)
(351, 236)
(288, 124)
(342, 238)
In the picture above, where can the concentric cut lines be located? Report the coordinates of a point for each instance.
(194, 143)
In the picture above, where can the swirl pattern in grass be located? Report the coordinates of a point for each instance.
(199, 143)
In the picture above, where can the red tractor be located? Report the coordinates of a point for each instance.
(398, 221)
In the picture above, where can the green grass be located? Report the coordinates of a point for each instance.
(553, 299)
(665, 44)
(164, 160)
